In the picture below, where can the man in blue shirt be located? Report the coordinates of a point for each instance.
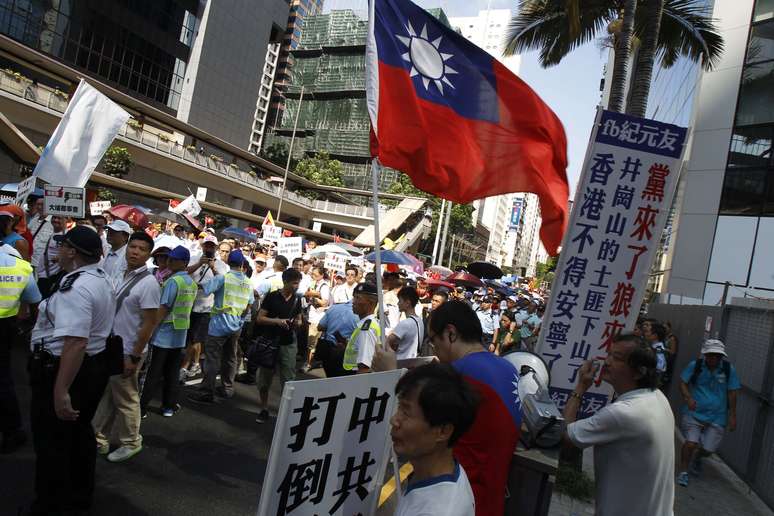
(336, 326)
(489, 320)
(168, 343)
(233, 298)
(709, 387)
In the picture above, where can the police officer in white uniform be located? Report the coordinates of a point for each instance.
(68, 374)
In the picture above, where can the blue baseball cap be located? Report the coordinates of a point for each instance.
(236, 257)
(180, 253)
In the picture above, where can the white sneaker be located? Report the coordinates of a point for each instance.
(123, 453)
(195, 370)
(182, 375)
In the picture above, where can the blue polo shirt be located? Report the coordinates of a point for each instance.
(166, 335)
(710, 392)
(223, 324)
(339, 318)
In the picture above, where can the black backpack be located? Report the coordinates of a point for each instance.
(725, 364)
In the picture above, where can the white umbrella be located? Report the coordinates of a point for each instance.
(327, 248)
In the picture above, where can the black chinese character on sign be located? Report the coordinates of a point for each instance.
(594, 301)
(654, 188)
(589, 324)
(602, 273)
(303, 482)
(645, 222)
(566, 301)
(623, 196)
(608, 250)
(557, 334)
(593, 203)
(369, 416)
(580, 350)
(616, 223)
(622, 300)
(358, 485)
(575, 271)
(306, 420)
(584, 236)
(631, 168)
(601, 169)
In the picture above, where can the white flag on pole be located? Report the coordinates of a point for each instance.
(85, 132)
(188, 206)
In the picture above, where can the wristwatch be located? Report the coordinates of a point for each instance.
(135, 359)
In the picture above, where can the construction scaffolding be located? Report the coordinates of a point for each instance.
(329, 63)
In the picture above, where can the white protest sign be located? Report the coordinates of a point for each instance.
(25, 188)
(99, 207)
(272, 233)
(621, 205)
(290, 247)
(317, 226)
(336, 262)
(188, 206)
(65, 201)
(201, 194)
(357, 261)
(88, 127)
(330, 444)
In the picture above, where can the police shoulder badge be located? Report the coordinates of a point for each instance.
(68, 282)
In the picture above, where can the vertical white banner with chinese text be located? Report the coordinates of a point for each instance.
(329, 449)
(623, 199)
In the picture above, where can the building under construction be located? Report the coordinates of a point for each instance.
(329, 66)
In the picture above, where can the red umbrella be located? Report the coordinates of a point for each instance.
(252, 230)
(439, 272)
(464, 279)
(133, 215)
(435, 283)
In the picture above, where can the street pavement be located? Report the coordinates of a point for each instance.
(205, 460)
(210, 460)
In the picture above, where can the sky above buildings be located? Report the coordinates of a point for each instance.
(571, 89)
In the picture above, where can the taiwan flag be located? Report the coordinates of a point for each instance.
(459, 123)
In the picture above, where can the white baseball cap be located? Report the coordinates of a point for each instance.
(713, 346)
(120, 225)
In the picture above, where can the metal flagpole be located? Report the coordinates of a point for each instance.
(290, 155)
(445, 233)
(438, 231)
(451, 250)
(377, 246)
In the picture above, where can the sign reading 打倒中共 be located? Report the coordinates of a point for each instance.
(620, 209)
(329, 447)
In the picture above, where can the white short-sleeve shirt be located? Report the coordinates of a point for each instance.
(446, 495)
(86, 309)
(365, 343)
(144, 295)
(634, 454)
(410, 333)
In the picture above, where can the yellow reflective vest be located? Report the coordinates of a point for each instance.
(350, 353)
(180, 313)
(13, 280)
(236, 295)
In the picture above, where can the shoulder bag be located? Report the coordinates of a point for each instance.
(264, 350)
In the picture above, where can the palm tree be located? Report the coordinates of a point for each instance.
(557, 27)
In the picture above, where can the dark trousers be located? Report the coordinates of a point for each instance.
(164, 367)
(10, 417)
(66, 451)
(220, 358)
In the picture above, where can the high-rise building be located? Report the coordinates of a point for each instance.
(299, 11)
(198, 60)
(329, 64)
(722, 229)
(487, 31)
(529, 248)
(260, 121)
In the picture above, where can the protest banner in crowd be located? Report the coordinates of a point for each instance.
(272, 233)
(65, 201)
(290, 247)
(188, 206)
(335, 262)
(24, 189)
(330, 447)
(99, 207)
(621, 205)
(88, 127)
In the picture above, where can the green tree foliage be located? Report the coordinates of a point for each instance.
(322, 170)
(117, 161)
(277, 153)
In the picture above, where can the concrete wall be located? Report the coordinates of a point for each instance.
(224, 73)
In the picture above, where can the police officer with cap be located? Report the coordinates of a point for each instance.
(17, 287)
(68, 374)
(362, 344)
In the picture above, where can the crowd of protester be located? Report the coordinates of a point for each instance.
(190, 308)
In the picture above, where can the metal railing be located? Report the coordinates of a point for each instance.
(56, 100)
